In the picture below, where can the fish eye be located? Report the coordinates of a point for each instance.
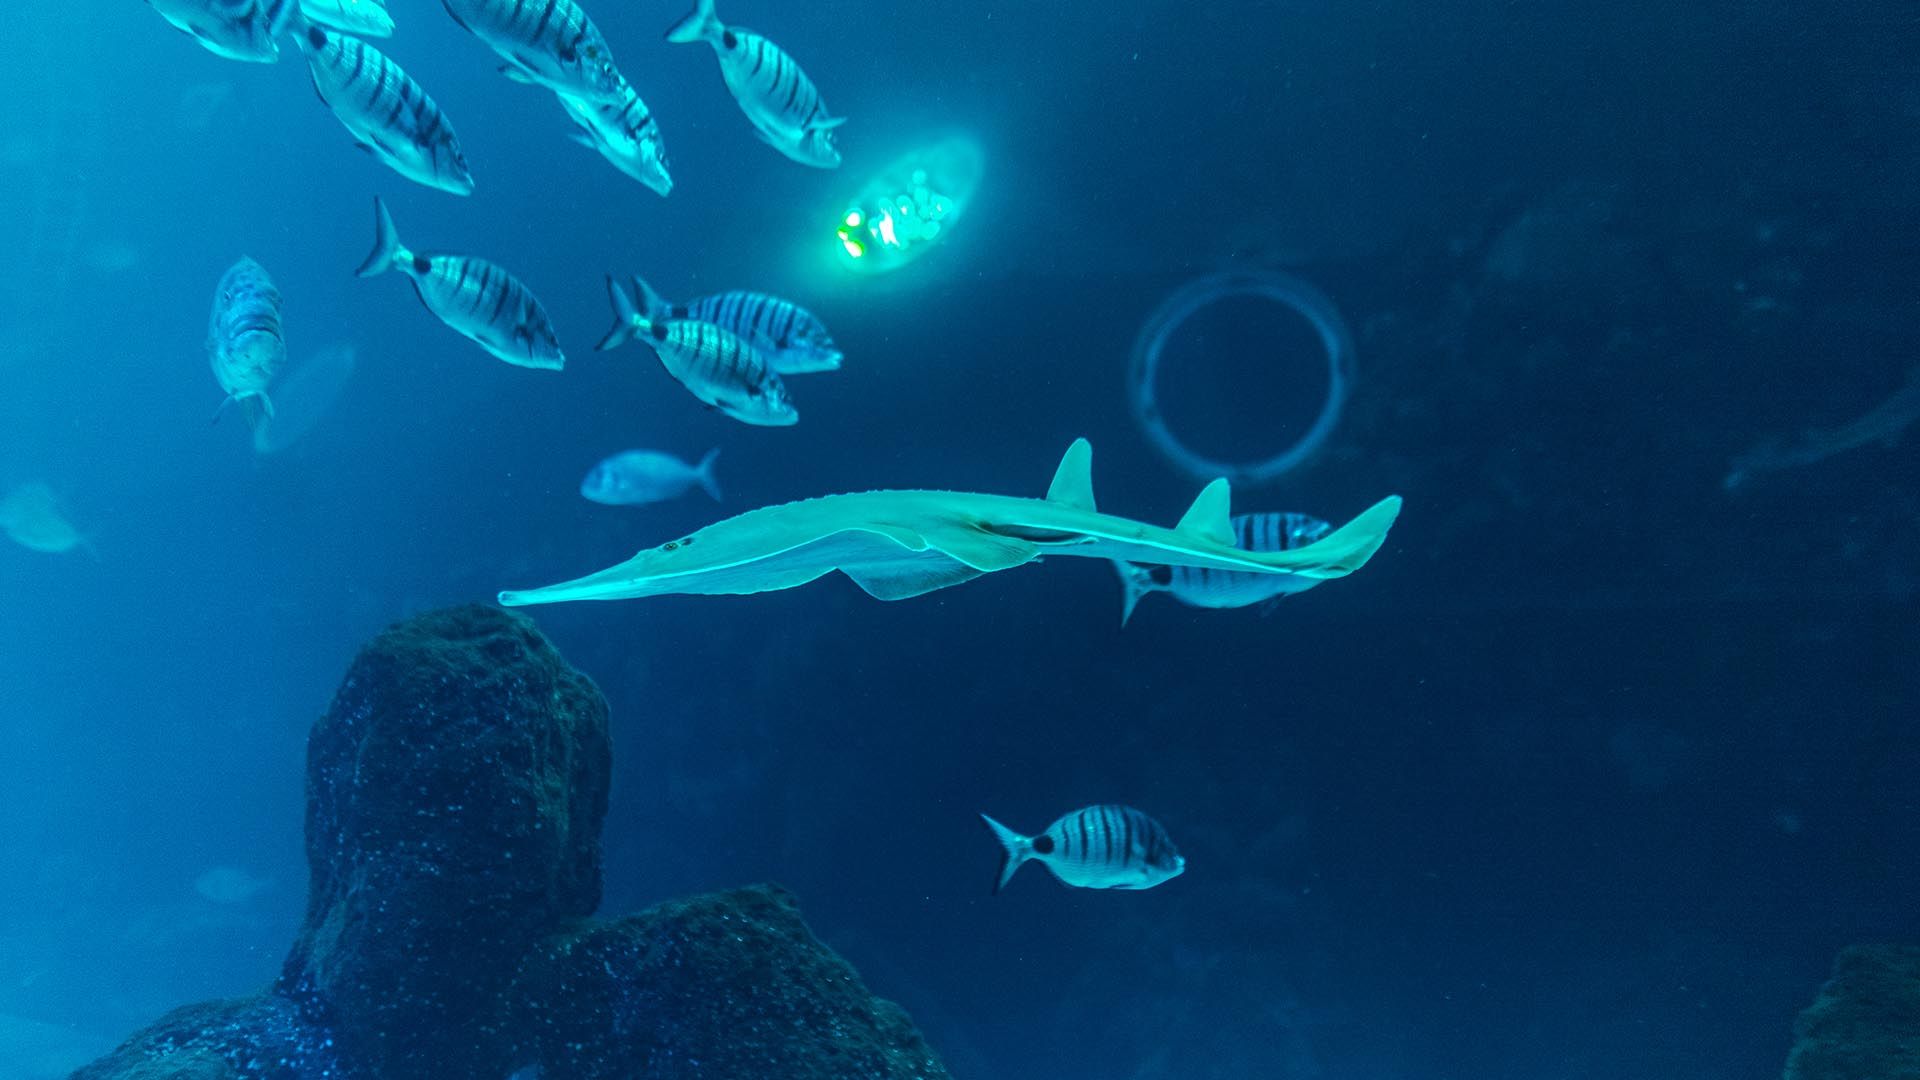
(729, 40)
(670, 545)
(592, 51)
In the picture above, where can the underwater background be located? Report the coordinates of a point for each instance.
(1588, 774)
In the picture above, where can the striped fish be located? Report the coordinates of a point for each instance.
(626, 134)
(245, 344)
(1201, 587)
(1100, 847)
(794, 340)
(364, 18)
(387, 112)
(234, 29)
(778, 98)
(716, 365)
(475, 298)
(551, 42)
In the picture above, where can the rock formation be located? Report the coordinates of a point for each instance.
(1865, 1025)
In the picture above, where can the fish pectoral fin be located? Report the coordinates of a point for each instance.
(1073, 480)
(901, 580)
(899, 534)
(1208, 517)
(983, 550)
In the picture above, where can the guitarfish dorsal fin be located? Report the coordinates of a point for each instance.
(1207, 517)
(1073, 480)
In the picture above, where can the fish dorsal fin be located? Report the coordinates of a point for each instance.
(1207, 517)
(1073, 480)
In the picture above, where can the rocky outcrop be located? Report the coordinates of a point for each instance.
(1866, 1021)
(455, 793)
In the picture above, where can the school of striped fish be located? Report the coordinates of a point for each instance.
(729, 350)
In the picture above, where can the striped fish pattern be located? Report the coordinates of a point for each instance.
(551, 42)
(364, 18)
(1202, 587)
(233, 29)
(389, 115)
(716, 365)
(794, 340)
(245, 343)
(1099, 847)
(475, 298)
(626, 134)
(783, 105)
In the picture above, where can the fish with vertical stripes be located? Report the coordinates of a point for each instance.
(233, 29)
(794, 340)
(245, 343)
(1207, 587)
(716, 365)
(1099, 847)
(362, 18)
(625, 133)
(389, 115)
(475, 298)
(783, 105)
(551, 42)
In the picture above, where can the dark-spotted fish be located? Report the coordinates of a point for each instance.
(778, 98)
(474, 297)
(244, 342)
(234, 29)
(1100, 847)
(1201, 587)
(794, 340)
(387, 112)
(551, 42)
(716, 365)
(362, 18)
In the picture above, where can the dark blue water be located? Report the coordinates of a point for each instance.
(1588, 774)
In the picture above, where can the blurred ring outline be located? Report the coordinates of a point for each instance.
(1284, 289)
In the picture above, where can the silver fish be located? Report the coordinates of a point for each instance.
(794, 340)
(1100, 847)
(32, 517)
(362, 18)
(390, 116)
(638, 477)
(234, 29)
(475, 298)
(245, 345)
(1202, 587)
(551, 42)
(778, 98)
(624, 133)
(716, 365)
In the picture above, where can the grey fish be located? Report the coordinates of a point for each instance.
(362, 18)
(551, 42)
(1204, 587)
(638, 477)
(625, 133)
(390, 116)
(31, 516)
(1100, 847)
(794, 340)
(716, 365)
(234, 29)
(783, 105)
(245, 345)
(475, 298)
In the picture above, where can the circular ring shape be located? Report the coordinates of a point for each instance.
(1284, 289)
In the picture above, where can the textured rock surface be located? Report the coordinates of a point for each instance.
(1865, 1025)
(731, 985)
(455, 792)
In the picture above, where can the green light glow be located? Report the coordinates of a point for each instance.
(909, 205)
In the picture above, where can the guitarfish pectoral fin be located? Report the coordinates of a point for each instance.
(983, 550)
(900, 580)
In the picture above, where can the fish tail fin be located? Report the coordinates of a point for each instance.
(650, 301)
(1135, 582)
(705, 472)
(1348, 547)
(703, 24)
(1016, 850)
(386, 243)
(625, 318)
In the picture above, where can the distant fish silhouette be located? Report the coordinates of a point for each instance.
(230, 885)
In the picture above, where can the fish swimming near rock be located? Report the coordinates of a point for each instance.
(638, 477)
(388, 113)
(361, 18)
(793, 339)
(897, 544)
(717, 366)
(233, 29)
(783, 105)
(551, 42)
(624, 132)
(475, 298)
(1202, 587)
(1099, 847)
(32, 517)
(245, 342)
